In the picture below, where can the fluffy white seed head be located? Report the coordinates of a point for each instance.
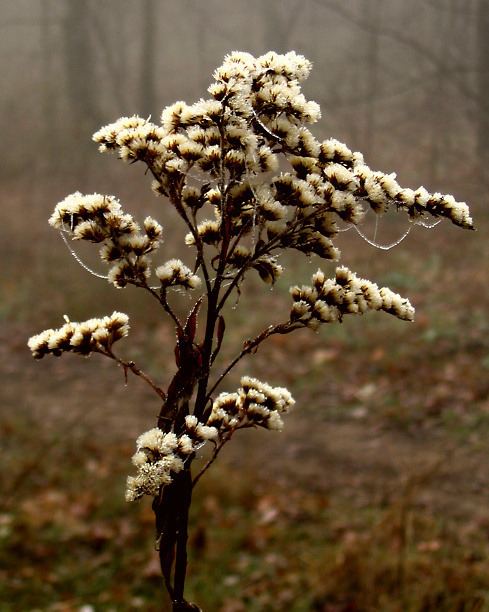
(82, 338)
(175, 273)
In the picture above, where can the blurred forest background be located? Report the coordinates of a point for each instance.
(375, 497)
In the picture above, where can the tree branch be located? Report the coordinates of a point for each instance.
(402, 37)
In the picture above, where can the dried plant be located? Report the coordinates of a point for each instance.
(249, 181)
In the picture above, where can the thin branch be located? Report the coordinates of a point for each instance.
(213, 293)
(266, 249)
(175, 199)
(130, 365)
(401, 37)
(217, 449)
(213, 457)
(161, 297)
(168, 309)
(250, 345)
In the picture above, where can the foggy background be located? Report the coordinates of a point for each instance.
(404, 81)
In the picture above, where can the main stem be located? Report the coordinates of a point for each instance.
(213, 295)
(179, 603)
(184, 491)
(207, 350)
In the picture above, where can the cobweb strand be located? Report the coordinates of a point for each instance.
(383, 247)
(82, 264)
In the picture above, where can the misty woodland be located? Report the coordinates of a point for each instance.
(249, 181)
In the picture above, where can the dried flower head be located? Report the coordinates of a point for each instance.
(82, 338)
(175, 273)
(327, 300)
(249, 180)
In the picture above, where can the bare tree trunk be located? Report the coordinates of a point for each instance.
(80, 64)
(200, 42)
(148, 40)
(483, 78)
(279, 23)
(81, 82)
(437, 98)
(49, 131)
(372, 16)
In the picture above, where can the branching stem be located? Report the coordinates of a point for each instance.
(217, 449)
(130, 365)
(250, 345)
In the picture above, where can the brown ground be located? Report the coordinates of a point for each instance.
(390, 425)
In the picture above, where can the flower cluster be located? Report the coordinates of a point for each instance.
(328, 300)
(255, 403)
(252, 208)
(249, 180)
(257, 114)
(160, 455)
(100, 219)
(82, 338)
(175, 273)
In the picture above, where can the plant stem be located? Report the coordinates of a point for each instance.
(249, 346)
(185, 481)
(213, 457)
(130, 365)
